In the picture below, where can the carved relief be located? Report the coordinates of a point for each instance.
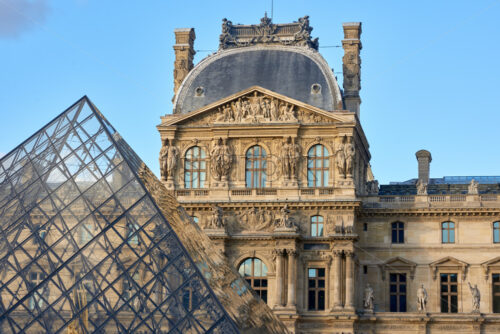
(290, 156)
(421, 188)
(297, 33)
(345, 157)
(285, 221)
(169, 154)
(256, 220)
(221, 159)
(216, 220)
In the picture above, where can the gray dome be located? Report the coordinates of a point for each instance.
(291, 71)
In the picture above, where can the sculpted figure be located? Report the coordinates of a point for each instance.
(221, 159)
(349, 157)
(421, 188)
(340, 160)
(168, 160)
(368, 299)
(372, 187)
(294, 158)
(473, 187)
(273, 110)
(284, 220)
(286, 158)
(422, 299)
(216, 220)
(476, 298)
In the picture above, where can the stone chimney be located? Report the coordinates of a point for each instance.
(351, 67)
(184, 52)
(424, 159)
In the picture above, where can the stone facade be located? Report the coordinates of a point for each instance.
(287, 186)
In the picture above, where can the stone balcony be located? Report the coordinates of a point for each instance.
(429, 201)
(262, 194)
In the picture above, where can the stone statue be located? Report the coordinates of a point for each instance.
(421, 188)
(476, 298)
(216, 221)
(290, 156)
(284, 219)
(422, 299)
(473, 187)
(372, 187)
(221, 159)
(345, 157)
(368, 298)
(169, 155)
(349, 157)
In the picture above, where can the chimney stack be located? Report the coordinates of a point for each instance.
(351, 67)
(424, 159)
(184, 53)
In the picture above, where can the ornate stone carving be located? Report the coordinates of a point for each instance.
(297, 33)
(216, 220)
(221, 159)
(476, 298)
(421, 188)
(422, 299)
(345, 157)
(169, 155)
(284, 221)
(290, 155)
(256, 220)
(473, 187)
(372, 187)
(368, 298)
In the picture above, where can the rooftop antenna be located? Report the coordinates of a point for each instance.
(272, 9)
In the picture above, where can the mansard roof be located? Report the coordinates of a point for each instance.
(277, 62)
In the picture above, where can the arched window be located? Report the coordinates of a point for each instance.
(195, 168)
(398, 233)
(255, 167)
(317, 226)
(448, 232)
(255, 273)
(317, 166)
(496, 232)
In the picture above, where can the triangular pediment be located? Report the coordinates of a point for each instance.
(449, 263)
(399, 262)
(257, 105)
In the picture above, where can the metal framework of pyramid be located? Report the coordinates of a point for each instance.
(84, 247)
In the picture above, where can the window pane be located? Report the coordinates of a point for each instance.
(314, 232)
(321, 283)
(452, 236)
(312, 273)
(402, 303)
(453, 277)
(444, 304)
(401, 237)
(394, 236)
(321, 272)
(445, 236)
(321, 300)
(394, 303)
(320, 230)
(311, 300)
(496, 235)
(454, 304)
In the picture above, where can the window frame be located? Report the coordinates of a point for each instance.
(133, 234)
(398, 283)
(316, 224)
(36, 300)
(261, 290)
(495, 295)
(448, 294)
(496, 232)
(198, 157)
(317, 289)
(255, 167)
(313, 169)
(445, 230)
(398, 230)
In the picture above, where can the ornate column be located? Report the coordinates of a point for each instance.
(279, 254)
(292, 278)
(337, 281)
(349, 280)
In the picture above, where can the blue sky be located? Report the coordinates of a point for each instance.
(430, 70)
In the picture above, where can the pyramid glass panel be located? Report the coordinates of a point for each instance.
(84, 247)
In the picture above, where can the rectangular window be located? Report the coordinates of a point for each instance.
(316, 289)
(449, 293)
(496, 232)
(496, 293)
(36, 300)
(398, 292)
(448, 232)
(398, 233)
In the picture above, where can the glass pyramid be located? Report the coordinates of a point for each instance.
(84, 247)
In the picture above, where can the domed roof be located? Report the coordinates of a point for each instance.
(297, 72)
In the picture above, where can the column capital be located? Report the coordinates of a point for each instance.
(337, 252)
(292, 252)
(349, 253)
(279, 252)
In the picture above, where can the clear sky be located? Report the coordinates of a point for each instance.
(430, 70)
